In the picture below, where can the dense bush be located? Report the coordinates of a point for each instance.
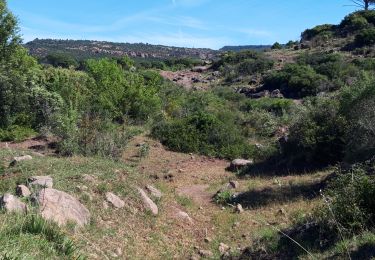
(317, 137)
(203, 133)
(276, 46)
(296, 81)
(357, 21)
(242, 63)
(325, 30)
(358, 106)
(61, 60)
(16, 133)
(349, 201)
(365, 37)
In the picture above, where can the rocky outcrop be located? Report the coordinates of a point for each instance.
(61, 207)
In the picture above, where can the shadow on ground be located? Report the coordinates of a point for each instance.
(260, 198)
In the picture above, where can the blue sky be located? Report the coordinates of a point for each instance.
(185, 23)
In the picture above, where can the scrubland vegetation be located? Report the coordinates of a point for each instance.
(322, 120)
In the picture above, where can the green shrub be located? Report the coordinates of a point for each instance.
(365, 37)
(317, 137)
(349, 201)
(203, 133)
(223, 197)
(358, 106)
(16, 134)
(320, 30)
(276, 106)
(358, 21)
(276, 46)
(62, 60)
(296, 81)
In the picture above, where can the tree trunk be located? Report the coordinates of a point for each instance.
(367, 4)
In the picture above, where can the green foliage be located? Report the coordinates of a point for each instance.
(358, 21)
(223, 197)
(365, 37)
(276, 46)
(296, 81)
(317, 137)
(61, 60)
(234, 64)
(349, 201)
(273, 105)
(9, 38)
(325, 30)
(203, 133)
(16, 133)
(357, 104)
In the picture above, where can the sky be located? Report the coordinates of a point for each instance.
(183, 23)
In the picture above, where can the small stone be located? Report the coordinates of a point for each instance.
(205, 253)
(41, 181)
(119, 251)
(150, 205)
(223, 248)
(12, 204)
(20, 159)
(239, 209)
(184, 216)
(23, 191)
(154, 191)
(105, 205)
(88, 178)
(208, 240)
(239, 164)
(114, 200)
(82, 188)
(234, 184)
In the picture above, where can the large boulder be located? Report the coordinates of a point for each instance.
(10, 203)
(114, 200)
(239, 164)
(61, 207)
(41, 181)
(148, 203)
(20, 159)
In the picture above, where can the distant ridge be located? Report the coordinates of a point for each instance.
(84, 49)
(246, 47)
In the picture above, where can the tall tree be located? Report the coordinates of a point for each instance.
(9, 37)
(365, 4)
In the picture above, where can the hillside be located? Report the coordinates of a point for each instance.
(96, 49)
(246, 47)
(230, 155)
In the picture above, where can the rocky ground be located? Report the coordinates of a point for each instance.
(159, 205)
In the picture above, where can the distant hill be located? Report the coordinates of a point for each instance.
(246, 47)
(83, 49)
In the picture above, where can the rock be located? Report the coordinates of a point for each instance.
(114, 200)
(20, 159)
(10, 203)
(23, 191)
(234, 184)
(62, 208)
(184, 216)
(41, 181)
(239, 164)
(223, 248)
(276, 94)
(205, 253)
(88, 178)
(149, 204)
(239, 209)
(154, 191)
(208, 240)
